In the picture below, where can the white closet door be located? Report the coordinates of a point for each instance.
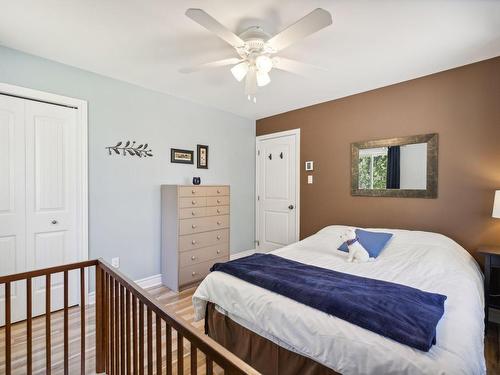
(51, 192)
(12, 203)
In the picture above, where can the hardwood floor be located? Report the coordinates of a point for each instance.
(178, 303)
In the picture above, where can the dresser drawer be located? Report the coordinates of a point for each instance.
(218, 201)
(197, 225)
(195, 241)
(188, 213)
(217, 210)
(190, 274)
(203, 224)
(192, 202)
(192, 191)
(188, 258)
(213, 191)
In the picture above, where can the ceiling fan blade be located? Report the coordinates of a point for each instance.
(208, 22)
(307, 25)
(251, 82)
(213, 64)
(296, 67)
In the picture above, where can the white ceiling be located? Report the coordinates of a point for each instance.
(371, 44)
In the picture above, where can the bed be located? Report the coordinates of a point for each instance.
(427, 261)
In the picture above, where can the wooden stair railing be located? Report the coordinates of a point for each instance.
(122, 335)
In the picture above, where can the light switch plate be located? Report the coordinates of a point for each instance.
(309, 179)
(309, 165)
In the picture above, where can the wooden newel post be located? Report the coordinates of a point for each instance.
(99, 320)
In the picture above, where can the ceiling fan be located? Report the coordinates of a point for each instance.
(257, 49)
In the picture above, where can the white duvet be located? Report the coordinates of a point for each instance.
(428, 261)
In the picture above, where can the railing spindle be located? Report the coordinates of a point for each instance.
(168, 332)
(82, 320)
(29, 327)
(66, 331)
(48, 349)
(100, 322)
(112, 325)
(180, 353)
(141, 338)
(7, 330)
(150, 341)
(106, 319)
(158, 345)
(117, 328)
(134, 334)
(194, 360)
(122, 330)
(209, 365)
(127, 322)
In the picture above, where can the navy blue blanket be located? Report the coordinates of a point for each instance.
(404, 314)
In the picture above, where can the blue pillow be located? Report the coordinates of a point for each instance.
(373, 242)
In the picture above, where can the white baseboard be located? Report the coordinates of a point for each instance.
(242, 254)
(147, 282)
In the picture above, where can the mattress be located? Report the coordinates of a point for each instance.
(424, 260)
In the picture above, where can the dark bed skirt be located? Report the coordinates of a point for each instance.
(261, 353)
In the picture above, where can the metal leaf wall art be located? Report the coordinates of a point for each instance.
(130, 148)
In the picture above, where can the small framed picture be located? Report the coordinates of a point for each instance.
(181, 156)
(202, 157)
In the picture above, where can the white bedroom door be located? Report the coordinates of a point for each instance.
(277, 190)
(43, 156)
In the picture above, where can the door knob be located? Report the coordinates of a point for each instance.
(53, 222)
(290, 207)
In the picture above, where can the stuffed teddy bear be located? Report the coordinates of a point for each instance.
(357, 252)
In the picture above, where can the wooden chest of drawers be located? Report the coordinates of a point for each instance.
(195, 232)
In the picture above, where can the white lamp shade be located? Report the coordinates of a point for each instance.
(496, 205)
(240, 71)
(264, 63)
(263, 78)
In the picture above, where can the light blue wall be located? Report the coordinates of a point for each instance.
(124, 192)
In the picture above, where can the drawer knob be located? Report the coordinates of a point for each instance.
(219, 223)
(193, 242)
(218, 251)
(193, 213)
(218, 237)
(193, 258)
(218, 211)
(218, 191)
(218, 200)
(193, 226)
(193, 202)
(193, 191)
(194, 273)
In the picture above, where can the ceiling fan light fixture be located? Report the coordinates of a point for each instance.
(240, 70)
(264, 63)
(262, 78)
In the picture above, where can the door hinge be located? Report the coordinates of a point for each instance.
(257, 243)
(258, 197)
(258, 152)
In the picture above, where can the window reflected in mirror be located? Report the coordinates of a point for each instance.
(396, 167)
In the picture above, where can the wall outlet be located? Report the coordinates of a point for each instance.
(115, 262)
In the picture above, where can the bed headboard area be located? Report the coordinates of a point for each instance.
(461, 105)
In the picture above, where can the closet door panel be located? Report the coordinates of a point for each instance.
(12, 202)
(51, 196)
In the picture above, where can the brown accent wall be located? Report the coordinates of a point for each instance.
(462, 105)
